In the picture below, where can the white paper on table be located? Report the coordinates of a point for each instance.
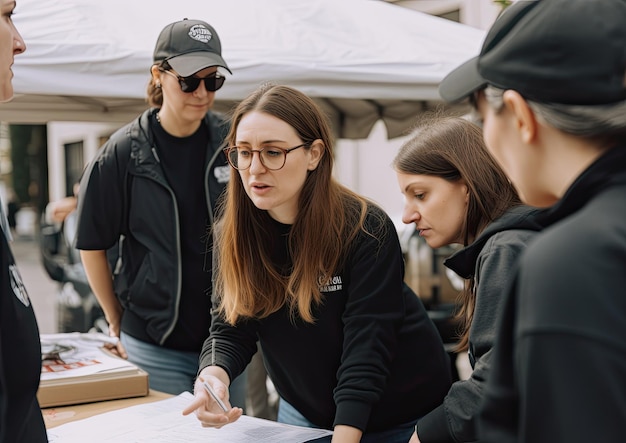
(163, 422)
(84, 357)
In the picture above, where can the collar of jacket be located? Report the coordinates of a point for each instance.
(608, 170)
(142, 138)
(463, 262)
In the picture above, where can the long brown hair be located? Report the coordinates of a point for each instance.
(329, 217)
(453, 148)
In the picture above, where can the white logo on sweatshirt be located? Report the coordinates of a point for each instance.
(332, 284)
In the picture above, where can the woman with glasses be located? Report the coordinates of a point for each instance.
(314, 272)
(20, 349)
(154, 186)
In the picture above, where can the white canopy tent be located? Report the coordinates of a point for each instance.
(363, 60)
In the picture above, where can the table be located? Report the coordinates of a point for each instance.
(59, 415)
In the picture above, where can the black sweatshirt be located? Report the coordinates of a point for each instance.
(559, 369)
(372, 360)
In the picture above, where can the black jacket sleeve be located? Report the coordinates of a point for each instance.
(102, 196)
(455, 419)
(559, 370)
(373, 315)
(229, 347)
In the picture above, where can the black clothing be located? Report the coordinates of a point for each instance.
(490, 260)
(12, 210)
(20, 358)
(372, 360)
(183, 163)
(559, 369)
(164, 280)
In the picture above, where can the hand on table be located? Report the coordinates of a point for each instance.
(116, 348)
(114, 331)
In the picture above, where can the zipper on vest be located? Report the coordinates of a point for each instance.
(155, 155)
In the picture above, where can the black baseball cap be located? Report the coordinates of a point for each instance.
(551, 51)
(189, 46)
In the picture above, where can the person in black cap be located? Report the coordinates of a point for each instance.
(154, 187)
(550, 87)
(20, 348)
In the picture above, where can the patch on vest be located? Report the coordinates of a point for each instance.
(222, 173)
(18, 285)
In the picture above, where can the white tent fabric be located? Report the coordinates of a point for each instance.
(363, 60)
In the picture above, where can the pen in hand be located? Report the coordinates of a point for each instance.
(212, 393)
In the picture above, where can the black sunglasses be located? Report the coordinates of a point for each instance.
(212, 82)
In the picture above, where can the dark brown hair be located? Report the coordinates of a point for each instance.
(453, 148)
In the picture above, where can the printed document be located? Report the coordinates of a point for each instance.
(163, 422)
(78, 355)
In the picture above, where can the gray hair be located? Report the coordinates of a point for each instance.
(607, 121)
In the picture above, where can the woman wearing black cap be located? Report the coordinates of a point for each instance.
(550, 86)
(20, 350)
(153, 186)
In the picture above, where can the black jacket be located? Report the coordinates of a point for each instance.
(559, 370)
(20, 357)
(490, 260)
(124, 192)
(373, 359)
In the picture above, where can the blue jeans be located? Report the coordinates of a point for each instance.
(400, 434)
(173, 371)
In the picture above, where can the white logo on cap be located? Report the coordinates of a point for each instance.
(200, 33)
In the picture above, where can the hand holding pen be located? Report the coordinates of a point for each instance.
(211, 404)
(207, 387)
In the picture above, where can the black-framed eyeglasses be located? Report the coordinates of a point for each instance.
(271, 157)
(212, 82)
